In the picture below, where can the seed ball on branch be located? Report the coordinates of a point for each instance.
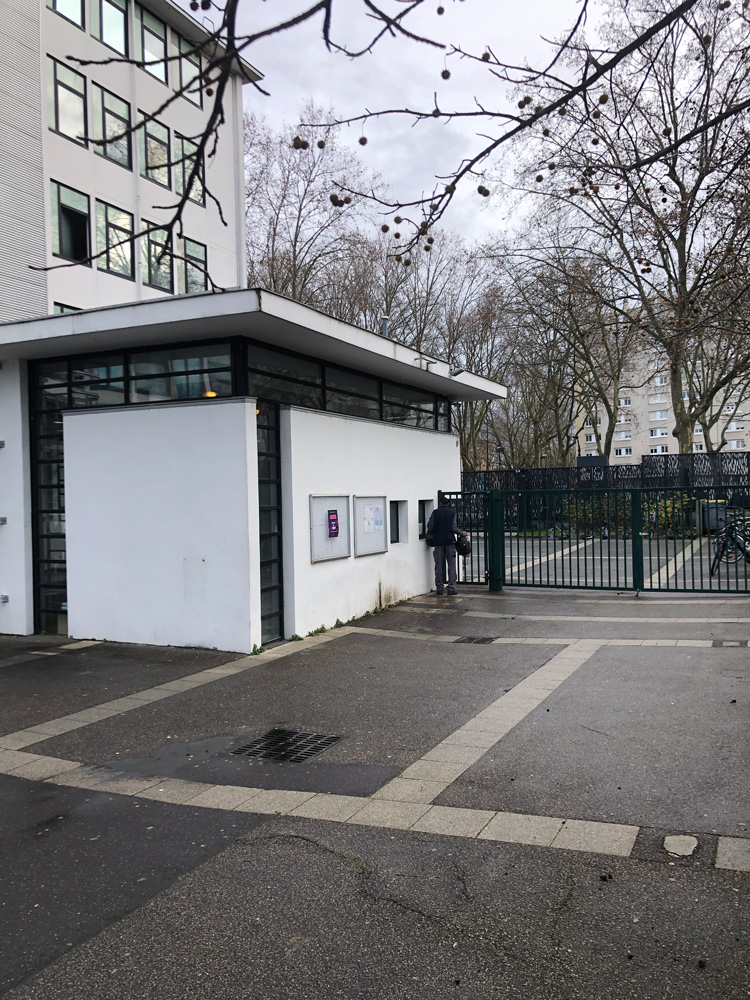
(436, 113)
(398, 257)
(483, 191)
(397, 236)
(427, 248)
(297, 142)
(446, 74)
(562, 112)
(397, 219)
(485, 57)
(539, 177)
(209, 91)
(430, 239)
(363, 140)
(595, 141)
(552, 166)
(206, 4)
(384, 228)
(441, 10)
(450, 188)
(617, 187)
(666, 130)
(706, 39)
(347, 200)
(321, 144)
(545, 131)
(194, 5)
(407, 261)
(572, 190)
(596, 114)
(603, 98)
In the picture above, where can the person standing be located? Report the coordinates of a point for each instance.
(444, 528)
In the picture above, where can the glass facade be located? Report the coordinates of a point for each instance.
(205, 370)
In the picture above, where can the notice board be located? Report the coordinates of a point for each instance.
(330, 532)
(370, 525)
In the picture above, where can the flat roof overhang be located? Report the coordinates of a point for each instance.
(263, 316)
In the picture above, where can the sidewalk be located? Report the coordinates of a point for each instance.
(491, 823)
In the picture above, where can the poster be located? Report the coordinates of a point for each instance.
(370, 525)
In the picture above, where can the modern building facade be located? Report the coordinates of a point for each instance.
(216, 470)
(645, 420)
(76, 186)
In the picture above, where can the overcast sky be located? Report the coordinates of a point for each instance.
(401, 73)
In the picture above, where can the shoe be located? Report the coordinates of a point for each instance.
(452, 593)
(439, 593)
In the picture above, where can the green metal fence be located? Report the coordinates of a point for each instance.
(623, 539)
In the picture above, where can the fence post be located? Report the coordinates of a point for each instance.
(637, 524)
(496, 569)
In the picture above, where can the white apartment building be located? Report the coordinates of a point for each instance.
(645, 421)
(67, 200)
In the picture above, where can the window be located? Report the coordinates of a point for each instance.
(194, 372)
(623, 451)
(662, 449)
(70, 223)
(624, 401)
(151, 43)
(72, 10)
(393, 514)
(625, 435)
(657, 415)
(729, 408)
(656, 397)
(590, 453)
(426, 508)
(410, 406)
(153, 146)
(657, 432)
(697, 446)
(734, 426)
(190, 72)
(109, 23)
(588, 422)
(66, 95)
(737, 445)
(661, 380)
(156, 255)
(623, 418)
(590, 438)
(111, 124)
(192, 275)
(114, 240)
(184, 157)
(59, 309)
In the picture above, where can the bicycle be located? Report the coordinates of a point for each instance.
(732, 542)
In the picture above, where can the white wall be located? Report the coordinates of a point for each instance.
(326, 453)
(17, 616)
(162, 524)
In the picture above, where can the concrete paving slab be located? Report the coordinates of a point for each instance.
(733, 853)
(280, 801)
(454, 753)
(597, 838)
(224, 797)
(11, 759)
(21, 739)
(410, 790)
(336, 808)
(453, 822)
(433, 771)
(515, 828)
(175, 791)
(44, 767)
(394, 815)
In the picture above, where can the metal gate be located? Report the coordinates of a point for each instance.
(666, 539)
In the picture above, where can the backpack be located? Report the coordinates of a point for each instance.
(463, 545)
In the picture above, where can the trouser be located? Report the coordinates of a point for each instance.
(447, 552)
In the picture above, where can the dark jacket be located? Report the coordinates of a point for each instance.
(443, 525)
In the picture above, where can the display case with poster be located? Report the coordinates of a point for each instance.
(370, 525)
(330, 535)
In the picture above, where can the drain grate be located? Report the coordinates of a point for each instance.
(482, 639)
(287, 745)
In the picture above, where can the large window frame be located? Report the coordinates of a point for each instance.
(115, 233)
(62, 78)
(59, 6)
(103, 13)
(191, 261)
(151, 31)
(153, 137)
(185, 153)
(112, 127)
(191, 70)
(156, 257)
(65, 215)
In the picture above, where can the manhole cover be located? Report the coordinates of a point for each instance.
(287, 744)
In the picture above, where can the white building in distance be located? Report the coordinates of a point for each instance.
(67, 199)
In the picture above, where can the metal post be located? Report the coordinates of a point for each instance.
(496, 574)
(637, 518)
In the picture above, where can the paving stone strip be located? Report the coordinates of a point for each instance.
(404, 803)
(11, 661)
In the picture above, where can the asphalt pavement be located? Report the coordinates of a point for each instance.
(490, 817)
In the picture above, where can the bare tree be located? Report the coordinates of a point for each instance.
(669, 219)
